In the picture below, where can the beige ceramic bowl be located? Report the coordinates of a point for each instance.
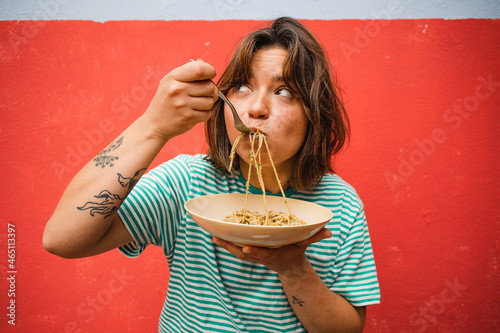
(209, 212)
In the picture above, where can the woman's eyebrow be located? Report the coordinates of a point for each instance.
(278, 78)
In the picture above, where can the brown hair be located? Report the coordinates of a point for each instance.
(306, 72)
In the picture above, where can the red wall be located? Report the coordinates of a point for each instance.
(424, 99)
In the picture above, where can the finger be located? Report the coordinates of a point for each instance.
(320, 235)
(204, 88)
(198, 116)
(326, 233)
(256, 252)
(201, 103)
(194, 71)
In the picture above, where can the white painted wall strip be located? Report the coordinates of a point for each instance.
(212, 10)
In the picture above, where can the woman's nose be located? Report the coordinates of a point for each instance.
(259, 106)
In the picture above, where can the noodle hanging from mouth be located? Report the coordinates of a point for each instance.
(270, 217)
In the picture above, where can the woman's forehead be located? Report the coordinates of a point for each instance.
(268, 61)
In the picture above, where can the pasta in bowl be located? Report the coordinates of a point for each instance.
(210, 213)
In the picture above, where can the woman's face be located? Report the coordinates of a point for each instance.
(264, 102)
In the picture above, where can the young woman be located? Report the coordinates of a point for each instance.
(279, 81)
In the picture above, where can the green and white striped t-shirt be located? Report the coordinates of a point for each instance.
(210, 290)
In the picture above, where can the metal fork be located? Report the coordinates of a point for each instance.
(240, 126)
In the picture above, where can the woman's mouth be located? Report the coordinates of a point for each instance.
(254, 134)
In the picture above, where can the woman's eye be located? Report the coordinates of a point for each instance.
(242, 88)
(285, 92)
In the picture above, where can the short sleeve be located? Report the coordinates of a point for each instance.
(356, 275)
(152, 210)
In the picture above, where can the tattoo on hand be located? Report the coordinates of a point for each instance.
(110, 202)
(297, 301)
(102, 159)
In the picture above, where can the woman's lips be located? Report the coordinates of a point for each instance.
(253, 129)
